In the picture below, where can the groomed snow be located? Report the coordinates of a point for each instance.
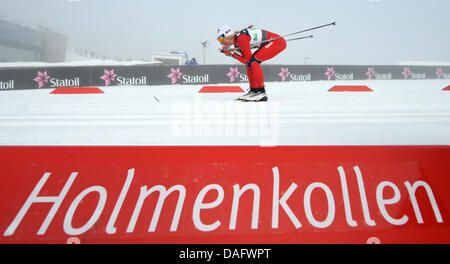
(409, 112)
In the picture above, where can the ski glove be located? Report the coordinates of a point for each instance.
(229, 53)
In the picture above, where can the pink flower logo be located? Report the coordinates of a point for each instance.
(175, 75)
(108, 77)
(406, 72)
(439, 73)
(370, 73)
(42, 79)
(284, 74)
(330, 72)
(233, 74)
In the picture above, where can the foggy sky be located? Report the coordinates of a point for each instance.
(367, 31)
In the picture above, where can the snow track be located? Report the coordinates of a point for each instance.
(298, 113)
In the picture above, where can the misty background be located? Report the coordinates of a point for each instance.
(367, 31)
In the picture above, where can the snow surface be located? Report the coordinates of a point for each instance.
(75, 60)
(90, 62)
(400, 112)
(424, 63)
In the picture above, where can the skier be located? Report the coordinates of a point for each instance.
(245, 40)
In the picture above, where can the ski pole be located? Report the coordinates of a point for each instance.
(309, 29)
(298, 32)
(310, 36)
(238, 49)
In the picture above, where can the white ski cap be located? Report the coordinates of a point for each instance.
(224, 31)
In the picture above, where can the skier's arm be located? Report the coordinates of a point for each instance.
(243, 42)
(235, 55)
(239, 57)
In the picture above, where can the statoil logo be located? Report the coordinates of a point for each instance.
(372, 74)
(440, 74)
(176, 74)
(8, 85)
(235, 75)
(43, 78)
(109, 76)
(286, 75)
(408, 74)
(332, 74)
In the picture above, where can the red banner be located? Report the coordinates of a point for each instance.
(215, 194)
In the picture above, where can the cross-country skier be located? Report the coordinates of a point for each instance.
(245, 40)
